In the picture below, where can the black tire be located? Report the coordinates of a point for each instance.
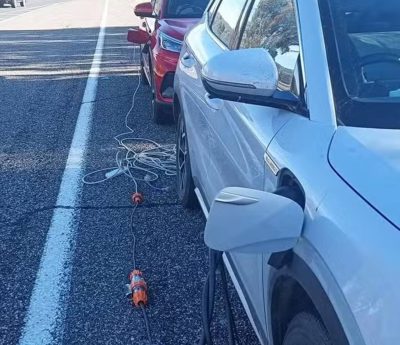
(22, 3)
(184, 178)
(14, 3)
(158, 114)
(306, 329)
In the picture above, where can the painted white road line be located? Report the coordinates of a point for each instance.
(45, 316)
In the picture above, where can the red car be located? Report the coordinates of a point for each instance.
(164, 27)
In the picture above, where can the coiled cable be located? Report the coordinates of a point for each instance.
(140, 159)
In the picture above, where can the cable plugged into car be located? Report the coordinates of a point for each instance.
(282, 220)
(217, 268)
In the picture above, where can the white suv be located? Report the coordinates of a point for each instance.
(288, 135)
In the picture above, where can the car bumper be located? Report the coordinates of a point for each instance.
(165, 63)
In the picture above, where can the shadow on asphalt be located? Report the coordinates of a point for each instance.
(38, 55)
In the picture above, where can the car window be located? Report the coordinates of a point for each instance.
(226, 19)
(362, 39)
(211, 11)
(272, 25)
(186, 8)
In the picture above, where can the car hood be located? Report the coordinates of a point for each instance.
(177, 28)
(369, 161)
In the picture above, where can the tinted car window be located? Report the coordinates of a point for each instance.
(272, 25)
(226, 19)
(363, 47)
(186, 8)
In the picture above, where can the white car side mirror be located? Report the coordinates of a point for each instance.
(248, 76)
(251, 221)
(244, 73)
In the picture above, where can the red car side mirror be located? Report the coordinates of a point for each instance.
(144, 10)
(137, 36)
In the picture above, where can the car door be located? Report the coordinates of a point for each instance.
(229, 139)
(240, 133)
(204, 116)
(200, 47)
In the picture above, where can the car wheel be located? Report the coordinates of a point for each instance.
(22, 3)
(185, 184)
(14, 3)
(306, 329)
(158, 114)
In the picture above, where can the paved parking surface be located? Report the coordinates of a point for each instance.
(45, 58)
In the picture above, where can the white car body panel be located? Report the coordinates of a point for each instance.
(376, 157)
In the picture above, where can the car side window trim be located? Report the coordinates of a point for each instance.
(244, 16)
(302, 71)
(242, 24)
(211, 10)
(301, 65)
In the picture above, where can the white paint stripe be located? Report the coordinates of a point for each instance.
(44, 320)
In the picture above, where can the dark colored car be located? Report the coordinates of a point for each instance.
(13, 3)
(164, 26)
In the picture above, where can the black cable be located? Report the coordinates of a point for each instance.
(208, 302)
(206, 334)
(228, 307)
(215, 258)
(146, 321)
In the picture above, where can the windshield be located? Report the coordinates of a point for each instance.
(186, 8)
(364, 57)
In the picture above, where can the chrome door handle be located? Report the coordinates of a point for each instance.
(214, 103)
(188, 60)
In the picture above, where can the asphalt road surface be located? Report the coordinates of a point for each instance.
(65, 247)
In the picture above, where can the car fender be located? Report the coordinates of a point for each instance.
(308, 269)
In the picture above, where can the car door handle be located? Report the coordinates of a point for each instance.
(188, 60)
(214, 103)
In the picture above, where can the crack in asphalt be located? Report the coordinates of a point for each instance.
(23, 219)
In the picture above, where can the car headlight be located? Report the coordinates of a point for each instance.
(170, 43)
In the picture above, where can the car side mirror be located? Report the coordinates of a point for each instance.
(138, 36)
(247, 76)
(144, 10)
(251, 221)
